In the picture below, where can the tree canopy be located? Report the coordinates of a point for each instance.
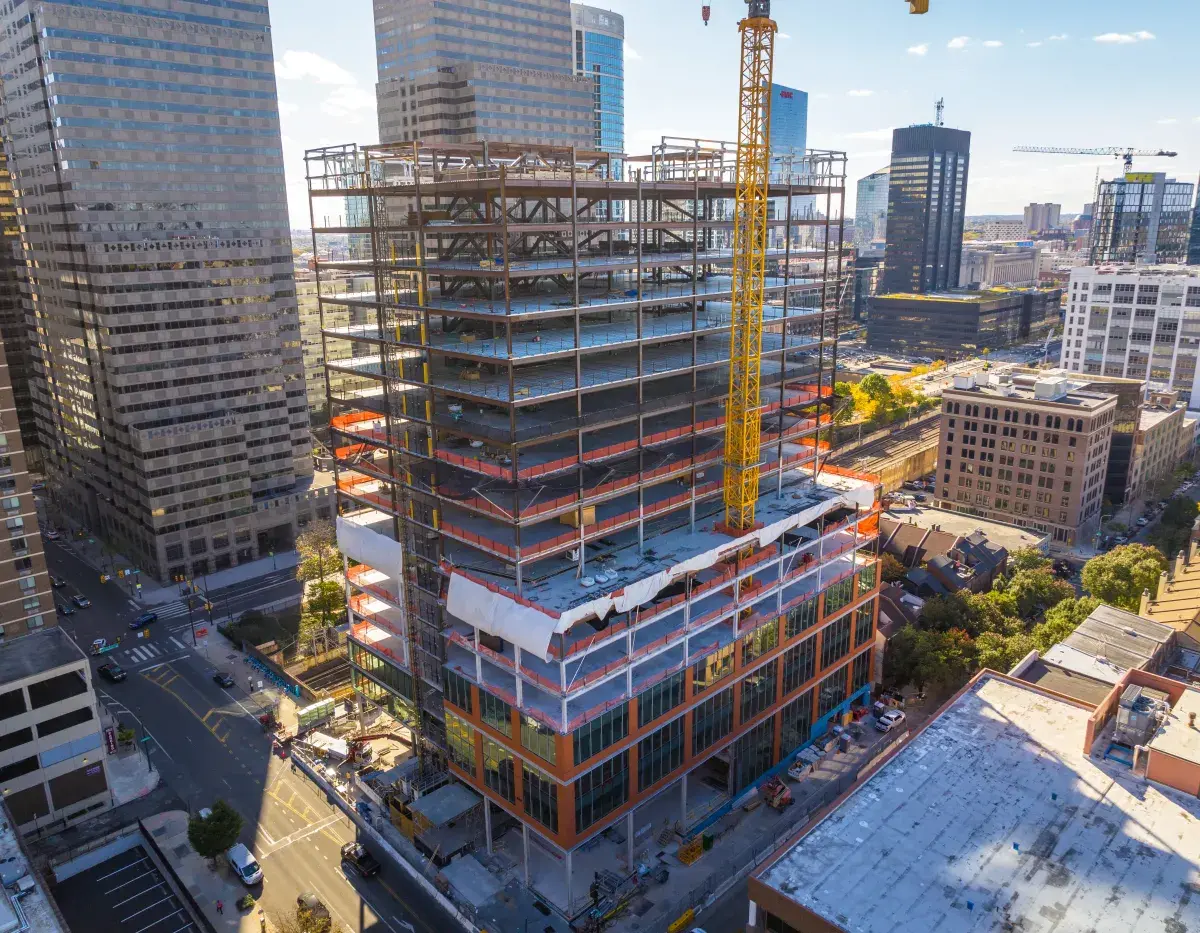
(319, 555)
(216, 833)
(1119, 577)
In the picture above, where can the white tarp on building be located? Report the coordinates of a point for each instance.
(369, 547)
(531, 629)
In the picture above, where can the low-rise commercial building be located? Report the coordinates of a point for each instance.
(1156, 449)
(1003, 813)
(1136, 322)
(986, 265)
(1031, 452)
(960, 323)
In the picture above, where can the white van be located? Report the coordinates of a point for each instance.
(241, 860)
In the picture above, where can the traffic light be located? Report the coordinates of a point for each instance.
(103, 578)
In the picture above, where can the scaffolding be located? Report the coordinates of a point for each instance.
(534, 389)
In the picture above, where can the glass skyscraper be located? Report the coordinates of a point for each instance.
(600, 56)
(927, 196)
(789, 122)
(870, 213)
(1141, 217)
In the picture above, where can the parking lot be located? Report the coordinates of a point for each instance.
(125, 893)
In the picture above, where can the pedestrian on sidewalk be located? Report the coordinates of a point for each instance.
(221, 907)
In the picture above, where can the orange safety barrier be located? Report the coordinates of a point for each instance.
(474, 463)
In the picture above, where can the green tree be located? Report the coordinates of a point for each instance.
(1001, 652)
(301, 919)
(943, 613)
(994, 611)
(1027, 558)
(1035, 591)
(1174, 527)
(876, 388)
(1061, 620)
(944, 660)
(893, 570)
(215, 833)
(319, 555)
(324, 606)
(1119, 577)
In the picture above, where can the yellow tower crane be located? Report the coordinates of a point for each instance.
(742, 419)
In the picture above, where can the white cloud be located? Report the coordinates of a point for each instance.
(348, 102)
(918, 49)
(958, 42)
(298, 65)
(1061, 37)
(1124, 38)
(1033, 45)
(631, 54)
(859, 92)
(992, 44)
(783, 35)
(287, 107)
(1167, 121)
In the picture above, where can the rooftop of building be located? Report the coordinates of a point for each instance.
(1179, 735)
(1056, 390)
(1069, 683)
(40, 914)
(1009, 537)
(37, 653)
(1152, 417)
(1162, 270)
(964, 296)
(1177, 602)
(992, 818)
(1109, 642)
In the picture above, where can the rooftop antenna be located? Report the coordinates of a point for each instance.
(941, 107)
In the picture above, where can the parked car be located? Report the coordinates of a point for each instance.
(241, 860)
(51, 535)
(362, 861)
(920, 497)
(144, 619)
(65, 609)
(81, 601)
(889, 720)
(57, 582)
(111, 671)
(1142, 521)
(222, 679)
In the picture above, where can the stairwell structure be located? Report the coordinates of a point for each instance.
(528, 422)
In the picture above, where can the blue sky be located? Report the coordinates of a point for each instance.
(1017, 72)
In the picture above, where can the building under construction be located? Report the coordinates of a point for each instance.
(528, 422)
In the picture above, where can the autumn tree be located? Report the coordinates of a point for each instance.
(893, 570)
(1119, 577)
(319, 555)
(1061, 620)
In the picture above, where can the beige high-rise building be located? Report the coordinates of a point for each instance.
(478, 70)
(167, 378)
(1028, 451)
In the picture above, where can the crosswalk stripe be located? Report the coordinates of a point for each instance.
(178, 643)
(136, 655)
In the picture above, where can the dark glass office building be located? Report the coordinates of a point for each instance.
(1193, 258)
(926, 202)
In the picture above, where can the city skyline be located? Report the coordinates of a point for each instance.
(900, 66)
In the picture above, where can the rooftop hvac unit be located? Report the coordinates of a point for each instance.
(964, 382)
(1139, 714)
(1050, 389)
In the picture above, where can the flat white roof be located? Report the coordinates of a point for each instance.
(1176, 736)
(993, 819)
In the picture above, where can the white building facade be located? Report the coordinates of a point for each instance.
(1135, 323)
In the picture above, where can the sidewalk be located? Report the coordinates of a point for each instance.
(205, 886)
(92, 550)
(130, 777)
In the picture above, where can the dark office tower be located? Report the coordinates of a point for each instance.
(927, 198)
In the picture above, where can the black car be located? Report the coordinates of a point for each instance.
(223, 679)
(360, 859)
(65, 609)
(57, 582)
(111, 671)
(144, 619)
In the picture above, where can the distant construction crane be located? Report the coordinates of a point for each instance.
(1118, 152)
(941, 109)
(742, 417)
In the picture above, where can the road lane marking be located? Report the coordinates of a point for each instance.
(163, 663)
(180, 645)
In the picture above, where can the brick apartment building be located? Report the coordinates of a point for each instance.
(1028, 451)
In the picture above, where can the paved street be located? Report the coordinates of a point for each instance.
(208, 744)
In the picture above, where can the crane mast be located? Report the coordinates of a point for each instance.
(742, 418)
